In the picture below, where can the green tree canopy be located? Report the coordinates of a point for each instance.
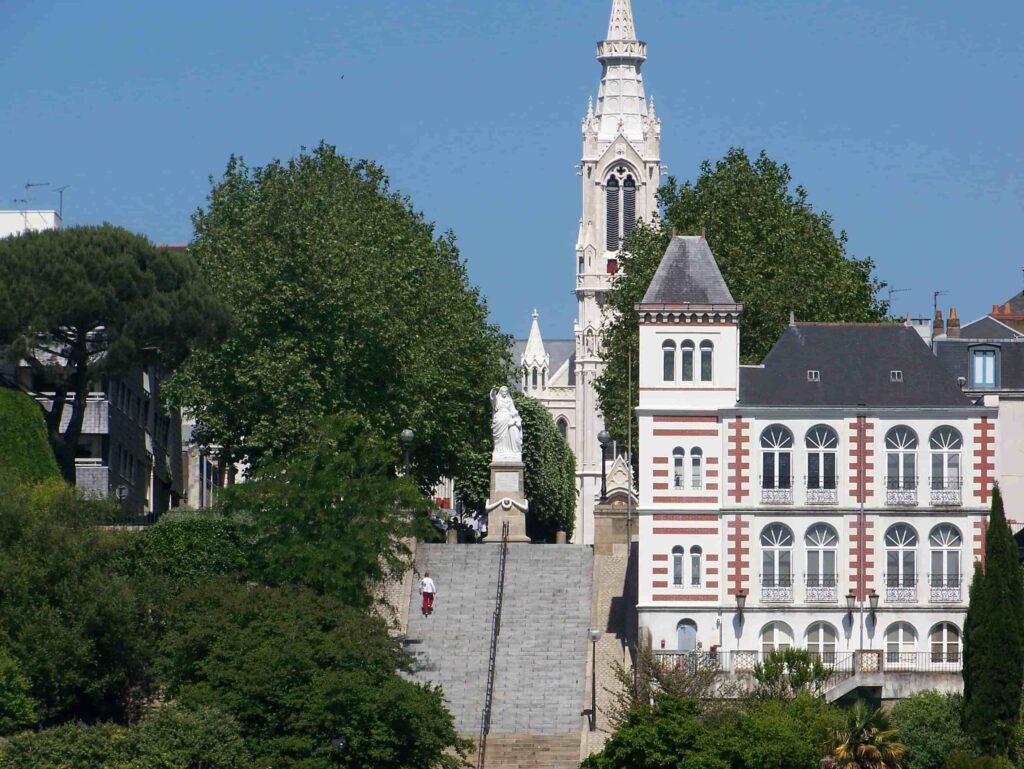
(776, 253)
(296, 670)
(929, 725)
(25, 454)
(549, 473)
(993, 669)
(82, 302)
(344, 302)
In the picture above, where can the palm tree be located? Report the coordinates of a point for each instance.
(868, 741)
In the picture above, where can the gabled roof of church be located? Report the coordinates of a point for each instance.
(854, 364)
(688, 274)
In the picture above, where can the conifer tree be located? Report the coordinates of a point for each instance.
(994, 640)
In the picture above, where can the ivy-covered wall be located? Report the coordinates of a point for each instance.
(25, 454)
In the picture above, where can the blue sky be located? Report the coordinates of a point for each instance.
(905, 120)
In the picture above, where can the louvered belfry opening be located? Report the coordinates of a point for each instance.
(612, 195)
(628, 207)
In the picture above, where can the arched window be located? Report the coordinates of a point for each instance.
(821, 442)
(900, 644)
(901, 563)
(776, 636)
(678, 468)
(707, 350)
(777, 558)
(612, 214)
(696, 468)
(821, 642)
(563, 427)
(686, 363)
(678, 554)
(687, 635)
(695, 572)
(534, 377)
(628, 207)
(945, 643)
(579, 266)
(946, 445)
(668, 355)
(776, 455)
(944, 582)
(543, 378)
(822, 542)
(901, 460)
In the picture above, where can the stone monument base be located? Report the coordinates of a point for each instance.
(506, 503)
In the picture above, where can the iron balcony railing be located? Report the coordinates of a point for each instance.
(776, 588)
(946, 491)
(821, 490)
(821, 588)
(944, 588)
(900, 588)
(777, 491)
(901, 492)
(941, 659)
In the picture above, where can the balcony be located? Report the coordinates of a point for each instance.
(776, 588)
(901, 492)
(944, 588)
(946, 492)
(819, 494)
(821, 588)
(777, 491)
(900, 588)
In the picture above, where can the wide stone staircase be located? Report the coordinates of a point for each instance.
(540, 667)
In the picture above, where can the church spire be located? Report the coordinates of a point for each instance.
(620, 26)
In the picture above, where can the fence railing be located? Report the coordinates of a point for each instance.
(841, 665)
(943, 660)
(946, 491)
(901, 492)
(485, 717)
(776, 588)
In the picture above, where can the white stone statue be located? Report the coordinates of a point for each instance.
(506, 427)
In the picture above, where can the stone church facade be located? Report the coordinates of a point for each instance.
(620, 170)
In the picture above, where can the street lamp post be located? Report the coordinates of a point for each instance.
(407, 436)
(595, 635)
(604, 439)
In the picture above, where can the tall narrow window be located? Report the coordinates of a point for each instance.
(678, 554)
(678, 468)
(901, 459)
(696, 469)
(821, 442)
(543, 378)
(946, 444)
(534, 377)
(612, 214)
(983, 370)
(777, 556)
(628, 207)
(707, 350)
(901, 559)
(687, 632)
(945, 542)
(563, 427)
(579, 266)
(695, 575)
(900, 644)
(821, 541)
(686, 353)
(776, 455)
(668, 355)
(945, 643)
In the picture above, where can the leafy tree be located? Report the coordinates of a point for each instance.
(68, 746)
(344, 302)
(17, 708)
(25, 455)
(868, 740)
(332, 516)
(78, 628)
(993, 670)
(929, 725)
(776, 253)
(84, 302)
(185, 548)
(549, 472)
(779, 734)
(296, 670)
(966, 760)
(784, 673)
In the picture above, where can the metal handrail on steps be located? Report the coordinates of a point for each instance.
(485, 717)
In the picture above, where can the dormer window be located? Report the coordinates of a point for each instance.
(813, 375)
(895, 375)
(984, 364)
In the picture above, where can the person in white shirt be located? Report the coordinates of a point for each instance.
(428, 590)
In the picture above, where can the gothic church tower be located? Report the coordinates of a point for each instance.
(621, 173)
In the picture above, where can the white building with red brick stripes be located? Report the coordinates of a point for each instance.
(832, 498)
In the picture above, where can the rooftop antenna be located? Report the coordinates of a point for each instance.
(60, 194)
(30, 185)
(895, 291)
(935, 311)
(24, 212)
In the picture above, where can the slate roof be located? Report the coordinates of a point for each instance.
(688, 274)
(987, 328)
(1016, 303)
(854, 361)
(954, 354)
(558, 350)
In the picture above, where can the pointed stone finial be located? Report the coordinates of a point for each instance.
(535, 314)
(650, 109)
(620, 25)
(590, 108)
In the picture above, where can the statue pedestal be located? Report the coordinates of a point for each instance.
(506, 502)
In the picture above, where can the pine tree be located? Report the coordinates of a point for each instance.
(994, 641)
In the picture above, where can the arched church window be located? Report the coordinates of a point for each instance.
(563, 427)
(612, 214)
(628, 207)
(668, 354)
(534, 377)
(706, 352)
(686, 353)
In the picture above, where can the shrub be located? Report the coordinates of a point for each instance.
(185, 548)
(71, 746)
(17, 708)
(929, 725)
(965, 760)
(25, 454)
(173, 737)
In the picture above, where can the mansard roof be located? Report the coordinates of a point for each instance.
(688, 274)
(854, 362)
(955, 354)
(988, 327)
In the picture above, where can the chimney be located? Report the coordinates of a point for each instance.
(1006, 309)
(953, 324)
(995, 309)
(938, 329)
